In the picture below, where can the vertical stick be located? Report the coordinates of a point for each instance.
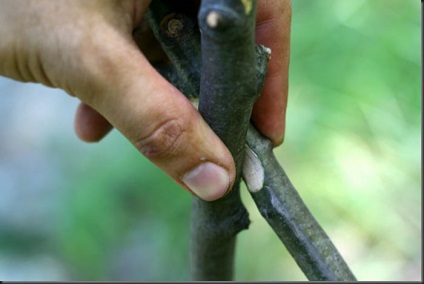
(216, 224)
(228, 90)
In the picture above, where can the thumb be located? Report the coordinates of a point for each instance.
(159, 121)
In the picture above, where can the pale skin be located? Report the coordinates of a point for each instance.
(86, 48)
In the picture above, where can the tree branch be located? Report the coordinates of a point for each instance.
(226, 101)
(215, 224)
(227, 43)
(284, 210)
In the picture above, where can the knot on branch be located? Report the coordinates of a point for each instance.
(220, 227)
(176, 27)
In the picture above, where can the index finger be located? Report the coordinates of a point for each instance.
(273, 23)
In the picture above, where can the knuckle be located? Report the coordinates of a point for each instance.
(164, 140)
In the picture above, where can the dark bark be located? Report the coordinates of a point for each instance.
(227, 45)
(228, 88)
(284, 210)
(178, 34)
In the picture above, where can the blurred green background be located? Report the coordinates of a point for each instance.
(75, 211)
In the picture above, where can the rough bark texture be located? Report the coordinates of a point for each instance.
(228, 85)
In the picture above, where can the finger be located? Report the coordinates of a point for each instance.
(273, 30)
(156, 118)
(89, 125)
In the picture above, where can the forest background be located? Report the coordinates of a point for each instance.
(76, 211)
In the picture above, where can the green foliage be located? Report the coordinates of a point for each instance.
(123, 218)
(352, 150)
(353, 137)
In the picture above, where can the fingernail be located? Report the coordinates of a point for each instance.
(208, 181)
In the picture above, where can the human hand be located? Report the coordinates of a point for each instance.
(86, 48)
(273, 23)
